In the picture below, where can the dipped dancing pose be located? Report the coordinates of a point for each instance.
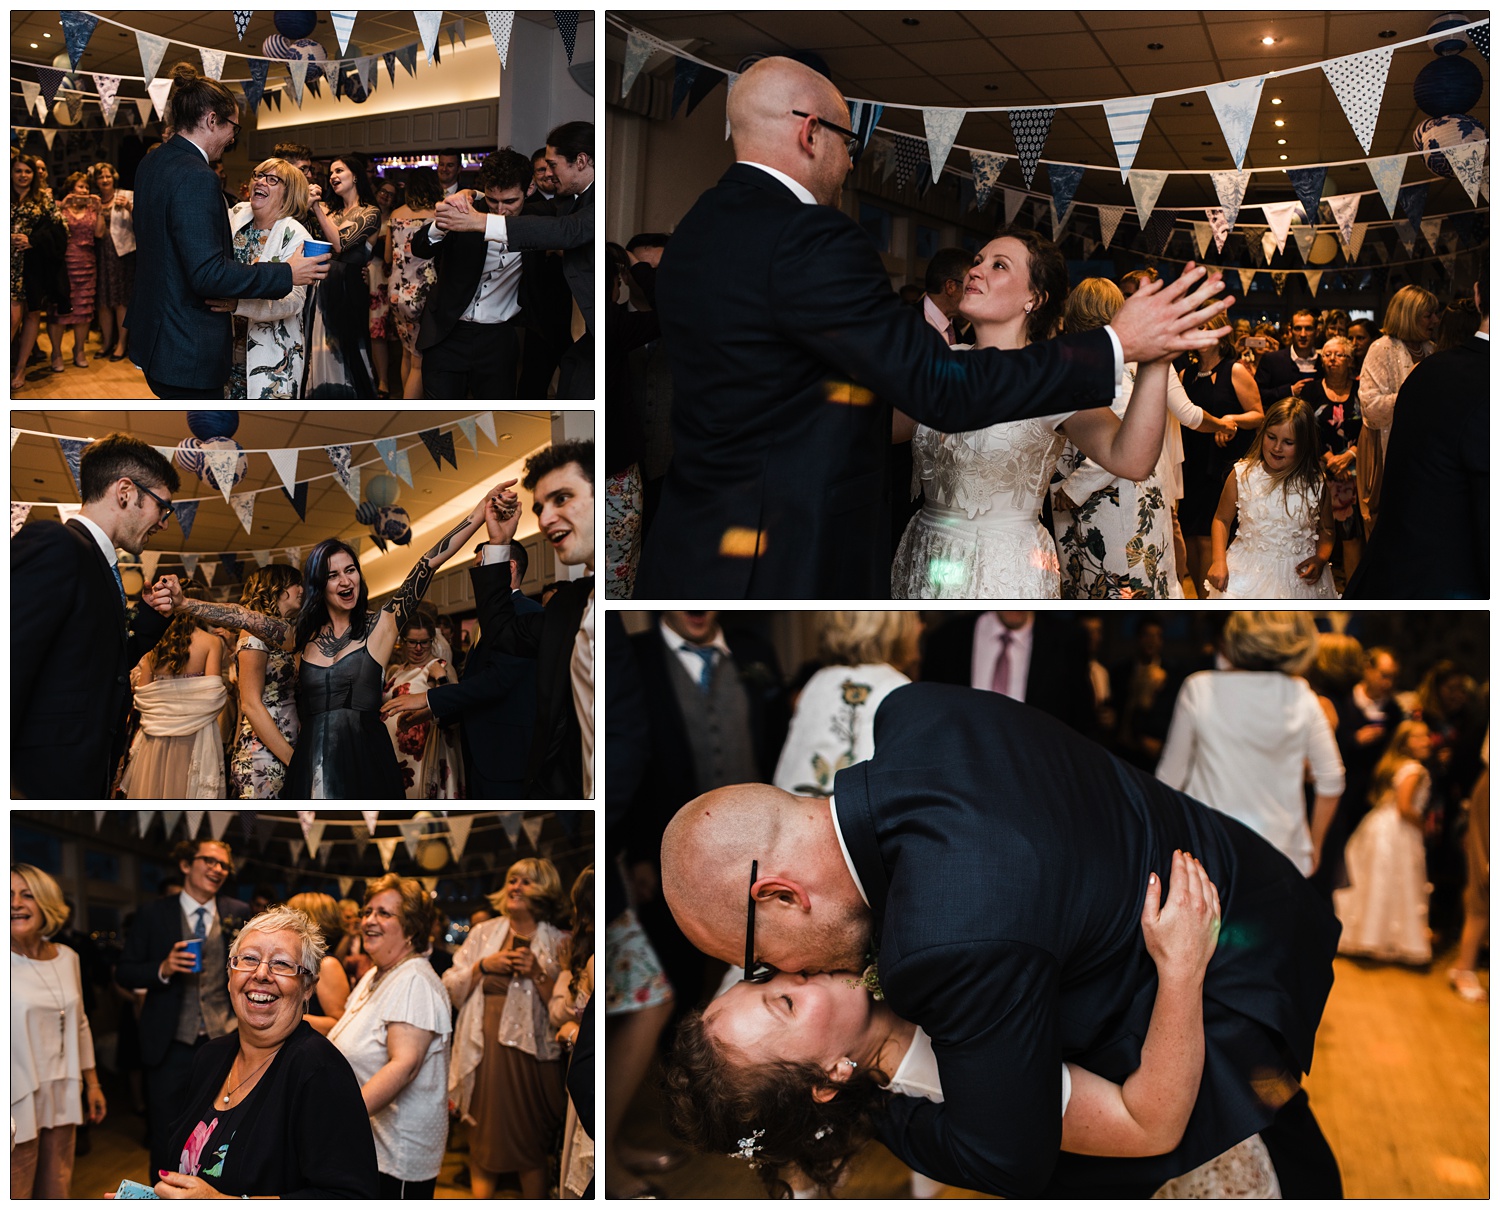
(344, 750)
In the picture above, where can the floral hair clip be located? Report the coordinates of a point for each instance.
(748, 1146)
(822, 1132)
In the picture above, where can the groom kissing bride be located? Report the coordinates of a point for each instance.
(1001, 877)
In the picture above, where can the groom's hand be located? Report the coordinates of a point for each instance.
(1161, 320)
(1181, 934)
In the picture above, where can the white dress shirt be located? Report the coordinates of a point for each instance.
(582, 672)
(101, 538)
(935, 317)
(844, 849)
(987, 631)
(494, 301)
(683, 649)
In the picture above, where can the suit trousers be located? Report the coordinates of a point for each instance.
(166, 390)
(1305, 1164)
(473, 360)
(575, 379)
(166, 1100)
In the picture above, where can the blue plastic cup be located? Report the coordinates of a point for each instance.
(315, 247)
(195, 947)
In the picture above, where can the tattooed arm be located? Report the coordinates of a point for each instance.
(235, 617)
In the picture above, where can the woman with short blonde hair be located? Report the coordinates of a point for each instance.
(332, 991)
(1411, 320)
(871, 636)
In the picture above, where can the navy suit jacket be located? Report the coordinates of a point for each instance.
(158, 926)
(573, 232)
(1435, 496)
(187, 257)
(1275, 374)
(788, 350)
(495, 701)
(72, 649)
(1005, 860)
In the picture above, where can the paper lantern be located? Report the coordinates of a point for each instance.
(1449, 44)
(295, 23)
(1323, 250)
(190, 457)
(1448, 131)
(278, 47)
(133, 580)
(63, 113)
(383, 490)
(206, 425)
(394, 525)
(366, 513)
(64, 63)
(1450, 85)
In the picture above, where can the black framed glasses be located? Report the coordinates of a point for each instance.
(232, 122)
(270, 178)
(164, 505)
(214, 863)
(851, 140)
(755, 972)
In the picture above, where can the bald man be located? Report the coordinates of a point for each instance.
(789, 349)
(999, 862)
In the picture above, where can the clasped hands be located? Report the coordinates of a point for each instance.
(455, 213)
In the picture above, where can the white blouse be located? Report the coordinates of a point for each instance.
(1239, 741)
(51, 1045)
(412, 1131)
(834, 726)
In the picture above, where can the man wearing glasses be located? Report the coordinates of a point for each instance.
(73, 641)
(186, 254)
(177, 950)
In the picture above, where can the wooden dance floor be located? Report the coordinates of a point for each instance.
(103, 379)
(1400, 1084)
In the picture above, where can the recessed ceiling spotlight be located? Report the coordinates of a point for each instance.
(910, 21)
(1275, 100)
(1185, 104)
(1268, 41)
(1283, 157)
(1387, 33)
(1155, 45)
(1281, 142)
(1279, 122)
(992, 88)
(33, 46)
(46, 35)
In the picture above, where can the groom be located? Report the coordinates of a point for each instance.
(998, 863)
(789, 349)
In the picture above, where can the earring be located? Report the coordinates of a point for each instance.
(1028, 308)
(853, 1066)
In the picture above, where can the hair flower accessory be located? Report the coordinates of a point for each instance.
(748, 1146)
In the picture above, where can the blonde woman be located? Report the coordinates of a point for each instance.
(868, 654)
(331, 992)
(268, 345)
(506, 1079)
(1411, 321)
(51, 1046)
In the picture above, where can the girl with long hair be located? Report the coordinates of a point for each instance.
(1285, 537)
(343, 750)
(268, 725)
(338, 319)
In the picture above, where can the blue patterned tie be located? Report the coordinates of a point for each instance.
(120, 584)
(201, 931)
(709, 656)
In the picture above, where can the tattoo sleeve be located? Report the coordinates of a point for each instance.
(414, 587)
(237, 617)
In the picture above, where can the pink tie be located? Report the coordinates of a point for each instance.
(950, 334)
(1001, 681)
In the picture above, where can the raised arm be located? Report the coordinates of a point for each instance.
(233, 617)
(1148, 1113)
(1130, 447)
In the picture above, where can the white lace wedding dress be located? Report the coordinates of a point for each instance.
(1276, 533)
(979, 534)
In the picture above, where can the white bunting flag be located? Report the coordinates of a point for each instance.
(1235, 104)
(1219, 224)
(169, 822)
(1467, 163)
(99, 819)
(486, 423)
(157, 90)
(533, 826)
(1314, 276)
(296, 847)
(345, 882)
(294, 555)
(220, 465)
(1356, 241)
(1230, 187)
(1109, 222)
(500, 22)
(213, 63)
(387, 846)
(1127, 122)
(262, 557)
(1279, 217)
(1387, 173)
(1145, 187)
(511, 822)
(1247, 279)
(297, 70)
(1202, 233)
(1269, 246)
(189, 565)
(458, 834)
(343, 26)
(1344, 207)
(942, 131)
(428, 22)
(1432, 230)
(143, 108)
(217, 822)
(144, 818)
(149, 560)
(69, 511)
(109, 88)
(152, 49)
(1304, 236)
(411, 833)
(1014, 199)
(31, 93)
(194, 822)
(1359, 83)
(371, 819)
(210, 569)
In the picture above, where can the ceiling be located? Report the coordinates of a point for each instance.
(113, 50)
(1030, 57)
(40, 473)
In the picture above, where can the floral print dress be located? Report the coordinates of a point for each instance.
(412, 279)
(834, 726)
(253, 771)
(1339, 423)
(38, 208)
(428, 754)
(268, 347)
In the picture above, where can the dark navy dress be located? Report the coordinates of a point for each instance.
(344, 750)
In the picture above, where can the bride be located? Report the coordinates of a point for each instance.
(795, 1071)
(978, 534)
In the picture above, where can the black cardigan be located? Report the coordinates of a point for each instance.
(305, 1132)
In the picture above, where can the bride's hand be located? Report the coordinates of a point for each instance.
(1218, 575)
(1181, 935)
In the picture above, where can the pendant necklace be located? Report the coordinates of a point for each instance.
(247, 1079)
(62, 1007)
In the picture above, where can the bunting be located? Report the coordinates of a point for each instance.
(152, 49)
(1432, 229)
(371, 819)
(1109, 222)
(1218, 222)
(440, 446)
(533, 826)
(298, 499)
(1387, 174)
(1343, 207)
(1247, 278)
(255, 87)
(684, 74)
(511, 822)
(470, 429)
(78, 28)
(458, 834)
(986, 166)
(144, 818)
(942, 131)
(149, 561)
(72, 451)
(296, 69)
(18, 515)
(1308, 184)
(1030, 128)
(387, 847)
(1145, 188)
(1158, 231)
(1468, 166)
(428, 21)
(1231, 186)
(1064, 180)
(1202, 233)
(1304, 237)
(31, 93)
(411, 834)
(1235, 104)
(50, 78)
(213, 62)
(500, 23)
(486, 423)
(244, 508)
(189, 565)
(1413, 200)
(1014, 199)
(343, 26)
(1279, 217)
(1127, 123)
(567, 27)
(347, 475)
(1359, 82)
(242, 21)
(218, 469)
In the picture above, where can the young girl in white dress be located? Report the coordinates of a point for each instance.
(1384, 908)
(792, 1071)
(1285, 537)
(979, 534)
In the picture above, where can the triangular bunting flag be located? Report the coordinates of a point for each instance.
(533, 825)
(297, 70)
(194, 823)
(189, 565)
(403, 466)
(1407, 234)
(1247, 278)
(1230, 187)
(285, 462)
(1278, 279)
(1467, 163)
(296, 846)
(470, 429)
(169, 822)
(298, 498)
(1014, 199)
(501, 21)
(1308, 182)
(1359, 82)
(1218, 223)
(50, 78)
(910, 155)
(1159, 231)
(706, 82)
(345, 882)
(74, 101)
(1355, 241)
(1432, 230)
(371, 819)
(244, 508)
(486, 423)
(158, 90)
(262, 557)
(684, 72)
(144, 818)
(440, 446)
(18, 515)
(218, 469)
(386, 448)
(1030, 128)
(387, 847)
(567, 28)
(210, 569)
(986, 166)
(242, 21)
(1109, 222)
(1413, 200)
(1235, 104)
(31, 93)
(1387, 173)
(1314, 276)
(942, 131)
(294, 555)
(428, 21)
(109, 87)
(1127, 122)
(72, 451)
(152, 49)
(1344, 207)
(1268, 245)
(369, 72)
(143, 108)
(255, 86)
(407, 57)
(68, 511)
(1202, 233)
(149, 560)
(338, 455)
(458, 833)
(1304, 235)
(511, 822)
(1145, 187)
(1279, 217)
(213, 62)
(411, 833)
(343, 26)
(1064, 180)
(78, 28)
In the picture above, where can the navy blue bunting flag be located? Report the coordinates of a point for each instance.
(567, 26)
(231, 565)
(706, 82)
(186, 513)
(299, 501)
(684, 76)
(440, 446)
(78, 28)
(50, 78)
(256, 85)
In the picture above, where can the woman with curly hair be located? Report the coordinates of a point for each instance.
(796, 1070)
(178, 752)
(979, 533)
(431, 765)
(268, 688)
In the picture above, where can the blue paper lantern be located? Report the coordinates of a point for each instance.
(277, 47)
(295, 23)
(190, 456)
(1448, 86)
(395, 525)
(382, 490)
(205, 425)
(366, 513)
(1448, 131)
(1451, 44)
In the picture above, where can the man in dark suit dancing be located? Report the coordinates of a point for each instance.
(73, 641)
(187, 1000)
(1435, 497)
(789, 350)
(1000, 863)
(186, 255)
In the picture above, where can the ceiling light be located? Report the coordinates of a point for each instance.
(1268, 41)
(1279, 122)
(1155, 45)
(33, 46)
(1275, 100)
(1283, 157)
(1387, 33)
(1281, 142)
(1185, 104)
(910, 21)
(46, 35)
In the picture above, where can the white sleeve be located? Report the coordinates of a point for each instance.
(1067, 1087)
(495, 552)
(1322, 751)
(1176, 761)
(1180, 405)
(1119, 351)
